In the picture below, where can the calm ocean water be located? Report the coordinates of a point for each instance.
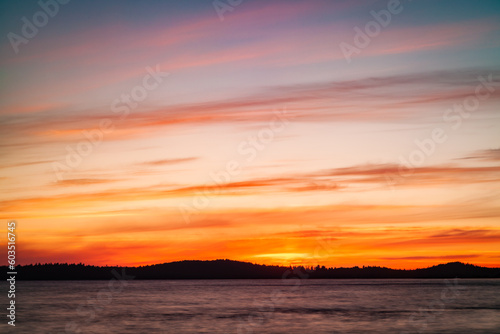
(257, 306)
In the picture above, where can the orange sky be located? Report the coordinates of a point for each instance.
(175, 135)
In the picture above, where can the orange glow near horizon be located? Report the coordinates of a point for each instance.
(272, 237)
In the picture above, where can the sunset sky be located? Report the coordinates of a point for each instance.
(147, 132)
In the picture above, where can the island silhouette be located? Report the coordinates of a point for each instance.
(228, 269)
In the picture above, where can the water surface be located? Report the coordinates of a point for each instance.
(257, 306)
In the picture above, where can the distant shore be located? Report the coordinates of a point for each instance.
(228, 269)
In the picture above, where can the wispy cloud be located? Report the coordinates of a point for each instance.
(169, 161)
(82, 182)
(398, 40)
(414, 176)
(377, 99)
(491, 155)
(458, 257)
(337, 179)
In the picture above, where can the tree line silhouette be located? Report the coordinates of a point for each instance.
(228, 269)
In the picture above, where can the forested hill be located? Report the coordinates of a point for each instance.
(227, 269)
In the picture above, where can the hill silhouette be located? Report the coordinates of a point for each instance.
(227, 269)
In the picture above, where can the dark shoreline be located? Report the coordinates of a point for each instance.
(227, 269)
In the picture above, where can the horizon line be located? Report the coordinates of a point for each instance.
(259, 264)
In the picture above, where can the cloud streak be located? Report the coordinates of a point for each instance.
(372, 100)
(164, 162)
